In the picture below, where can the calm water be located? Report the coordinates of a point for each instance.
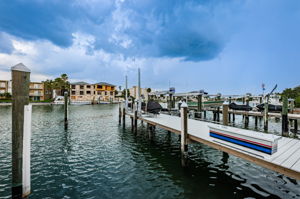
(95, 158)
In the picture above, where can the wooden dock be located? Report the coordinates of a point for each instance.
(286, 160)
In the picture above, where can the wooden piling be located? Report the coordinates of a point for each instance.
(199, 105)
(184, 137)
(124, 116)
(295, 126)
(66, 109)
(120, 113)
(225, 113)
(204, 114)
(256, 118)
(20, 98)
(218, 114)
(135, 120)
(284, 116)
(246, 121)
(266, 107)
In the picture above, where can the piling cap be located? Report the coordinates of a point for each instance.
(184, 105)
(20, 67)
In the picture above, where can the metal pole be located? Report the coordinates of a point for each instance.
(20, 98)
(139, 91)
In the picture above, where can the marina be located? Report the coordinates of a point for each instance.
(95, 157)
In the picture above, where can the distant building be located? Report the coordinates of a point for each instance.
(4, 86)
(101, 91)
(36, 91)
(134, 92)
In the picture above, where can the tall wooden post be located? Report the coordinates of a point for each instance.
(66, 109)
(256, 118)
(184, 133)
(135, 120)
(284, 117)
(20, 98)
(225, 113)
(199, 108)
(246, 120)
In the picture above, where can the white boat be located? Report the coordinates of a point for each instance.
(59, 100)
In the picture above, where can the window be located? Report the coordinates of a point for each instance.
(73, 92)
(105, 93)
(88, 92)
(99, 86)
(88, 86)
(99, 92)
(73, 86)
(81, 93)
(111, 93)
(81, 86)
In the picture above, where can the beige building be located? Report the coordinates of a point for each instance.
(83, 91)
(36, 91)
(4, 86)
(134, 92)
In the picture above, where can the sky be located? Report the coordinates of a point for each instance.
(221, 46)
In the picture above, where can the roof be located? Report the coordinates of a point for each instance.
(104, 83)
(79, 83)
(20, 67)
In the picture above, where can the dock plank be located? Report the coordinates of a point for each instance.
(292, 159)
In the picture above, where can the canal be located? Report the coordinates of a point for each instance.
(96, 158)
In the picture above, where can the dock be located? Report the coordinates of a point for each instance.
(286, 160)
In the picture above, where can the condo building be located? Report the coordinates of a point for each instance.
(101, 91)
(36, 90)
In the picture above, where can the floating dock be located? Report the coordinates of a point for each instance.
(285, 159)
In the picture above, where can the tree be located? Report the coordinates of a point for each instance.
(293, 93)
(124, 93)
(148, 90)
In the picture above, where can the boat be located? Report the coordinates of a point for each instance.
(153, 107)
(240, 107)
(271, 107)
(59, 100)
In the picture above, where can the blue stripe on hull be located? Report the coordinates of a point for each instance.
(242, 143)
